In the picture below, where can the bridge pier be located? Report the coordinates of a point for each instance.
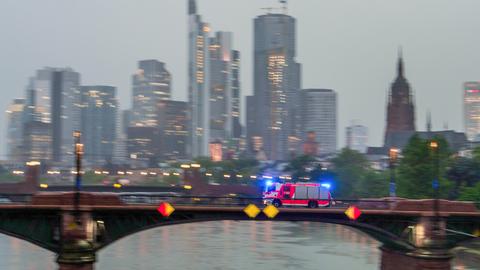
(395, 260)
(62, 266)
(431, 251)
(78, 235)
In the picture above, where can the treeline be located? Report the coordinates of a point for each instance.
(417, 170)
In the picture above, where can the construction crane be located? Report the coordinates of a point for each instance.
(283, 8)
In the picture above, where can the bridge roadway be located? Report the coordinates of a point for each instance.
(405, 228)
(188, 208)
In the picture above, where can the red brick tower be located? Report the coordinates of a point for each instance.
(400, 108)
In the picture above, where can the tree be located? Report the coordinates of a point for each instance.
(418, 168)
(373, 184)
(351, 169)
(463, 172)
(471, 194)
(298, 167)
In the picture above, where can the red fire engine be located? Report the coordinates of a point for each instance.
(311, 195)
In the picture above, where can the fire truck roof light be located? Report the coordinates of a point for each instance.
(326, 185)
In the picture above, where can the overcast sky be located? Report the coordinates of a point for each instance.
(347, 45)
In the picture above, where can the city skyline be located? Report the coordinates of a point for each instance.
(371, 74)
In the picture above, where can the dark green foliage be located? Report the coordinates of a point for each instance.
(463, 172)
(355, 178)
(420, 165)
(298, 167)
(470, 193)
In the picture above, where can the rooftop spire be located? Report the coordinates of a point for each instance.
(429, 121)
(192, 7)
(400, 62)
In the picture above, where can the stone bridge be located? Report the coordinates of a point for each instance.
(412, 236)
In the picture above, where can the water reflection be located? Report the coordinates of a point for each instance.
(223, 245)
(244, 245)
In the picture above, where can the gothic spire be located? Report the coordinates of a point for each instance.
(400, 63)
(192, 7)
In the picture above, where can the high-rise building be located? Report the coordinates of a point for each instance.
(357, 137)
(277, 82)
(143, 146)
(224, 88)
(319, 115)
(150, 84)
(471, 109)
(121, 155)
(65, 113)
(173, 129)
(235, 98)
(400, 107)
(214, 86)
(125, 120)
(225, 129)
(53, 99)
(15, 120)
(99, 107)
(199, 79)
(310, 146)
(37, 140)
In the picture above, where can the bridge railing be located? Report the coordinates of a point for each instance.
(189, 200)
(15, 198)
(243, 201)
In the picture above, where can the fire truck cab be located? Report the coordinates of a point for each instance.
(310, 195)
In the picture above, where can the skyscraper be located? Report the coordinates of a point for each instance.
(471, 109)
(37, 141)
(277, 82)
(199, 79)
(143, 146)
(65, 113)
(319, 115)
(150, 84)
(173, 129)
(99, 107)
(400, 107)
(53, 100)
(15, 118)
(224, 89)
(235, 98)
(214, 86)
(357, 137)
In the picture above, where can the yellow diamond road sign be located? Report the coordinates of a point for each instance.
(251, 210)
(271, 211)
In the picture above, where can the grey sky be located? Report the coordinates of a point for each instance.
(348, 45)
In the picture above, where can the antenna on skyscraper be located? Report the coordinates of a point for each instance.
(284, 6)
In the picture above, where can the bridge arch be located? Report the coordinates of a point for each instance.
(41, 228)
(115, 230)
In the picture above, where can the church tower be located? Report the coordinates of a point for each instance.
(400, 108)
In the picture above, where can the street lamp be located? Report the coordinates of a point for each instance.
(434, 147)
(393, 154)
(78, 180)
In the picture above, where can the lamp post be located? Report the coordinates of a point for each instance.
(434, 147)
(393, 154)
(78, 161)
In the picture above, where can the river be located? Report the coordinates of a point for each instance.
(223, 245)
